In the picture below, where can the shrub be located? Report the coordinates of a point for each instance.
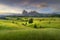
(35, 26)
(13, 22)
(42, 27)
(31, 20)
(49, 22)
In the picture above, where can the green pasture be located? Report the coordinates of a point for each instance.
(19, 28)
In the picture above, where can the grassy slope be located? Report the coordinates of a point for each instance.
(54, 23)
(16, 31)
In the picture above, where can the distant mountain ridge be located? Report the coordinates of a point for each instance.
(32, 13)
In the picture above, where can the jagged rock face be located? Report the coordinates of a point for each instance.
(34, 13)
(24, 12)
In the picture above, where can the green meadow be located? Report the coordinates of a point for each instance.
(19, 28)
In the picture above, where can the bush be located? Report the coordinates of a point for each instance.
(13, 22)
(42, 27)
(35, 26)
(31, 20)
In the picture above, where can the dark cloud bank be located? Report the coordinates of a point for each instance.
(51, 5)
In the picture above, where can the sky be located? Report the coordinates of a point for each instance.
(41, 6)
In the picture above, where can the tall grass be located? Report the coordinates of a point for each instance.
(33, 34)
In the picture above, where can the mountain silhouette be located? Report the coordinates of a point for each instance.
(32, 13)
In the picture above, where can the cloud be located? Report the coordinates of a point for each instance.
(55, 7)
(15, 5)
(9, 9)
(40, 5)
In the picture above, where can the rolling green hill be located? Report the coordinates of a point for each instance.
(19, 28)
